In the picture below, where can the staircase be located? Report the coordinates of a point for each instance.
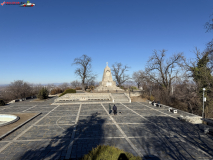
(120, 97)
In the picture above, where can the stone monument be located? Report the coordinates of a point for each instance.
(107, 82)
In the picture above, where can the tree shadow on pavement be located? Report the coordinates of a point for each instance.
(169, 138)
(57, 147)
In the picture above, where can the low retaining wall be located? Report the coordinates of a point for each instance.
(84, 97)
(22, 99)
(185, 116)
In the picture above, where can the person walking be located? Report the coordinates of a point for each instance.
(114, 109)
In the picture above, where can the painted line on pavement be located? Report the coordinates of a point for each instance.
(29, 108)
(73, 135)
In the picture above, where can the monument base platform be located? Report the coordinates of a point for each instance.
(86, 98)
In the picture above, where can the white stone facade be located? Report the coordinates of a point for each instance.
(107, 82)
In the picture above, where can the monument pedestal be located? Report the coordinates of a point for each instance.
(107, 83)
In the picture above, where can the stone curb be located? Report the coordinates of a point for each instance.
(16, 119)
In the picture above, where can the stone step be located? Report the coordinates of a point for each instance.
(120, 97)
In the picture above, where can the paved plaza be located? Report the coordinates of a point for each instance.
(70, 131)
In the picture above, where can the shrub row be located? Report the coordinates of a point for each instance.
(78, 88)
(68, 91)
(56, 91)
(109, 153)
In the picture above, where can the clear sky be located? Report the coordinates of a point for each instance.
(39, 44)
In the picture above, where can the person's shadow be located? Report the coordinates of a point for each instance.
(122, 156)
(110, 111)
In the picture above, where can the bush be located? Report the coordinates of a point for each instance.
(108, 153)
(43, 93)
(56, 91)
(78, 88)
(68, 91)
(2, 102)
(122, 87)
(151, 98)
(134, 88)
(92, 87)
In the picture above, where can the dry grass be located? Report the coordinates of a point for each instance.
(138, 99)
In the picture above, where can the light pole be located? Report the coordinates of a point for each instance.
(203, 102)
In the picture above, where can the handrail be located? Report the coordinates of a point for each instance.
(112, 98)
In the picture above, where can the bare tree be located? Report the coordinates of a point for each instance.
(186, 96)
(90, 81)
(209, 25)
(75, 83)
(136, 78)
(119, 72)
(36, 89)
(84, 71)
(162, 72)
(19, 89)
(64, 86)
(50, 87)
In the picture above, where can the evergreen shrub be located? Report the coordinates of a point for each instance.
(43, 93)
(109, 153)
(2, 103)
(68, 91)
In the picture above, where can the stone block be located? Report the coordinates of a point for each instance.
(13, 101)
(191, 119)
(174, 111)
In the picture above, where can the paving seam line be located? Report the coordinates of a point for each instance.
(57, 125)
(167, 131)
(100, 124)
(63, 116)
(124, 135)
(34, 140)
(73, 135)
(29, 108)
(3, 148)
(6, 108)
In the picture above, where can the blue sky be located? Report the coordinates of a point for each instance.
(39, 44)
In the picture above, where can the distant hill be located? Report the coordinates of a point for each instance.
(3, 85)
(57, 84)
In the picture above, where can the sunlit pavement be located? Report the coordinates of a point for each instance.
(70, 131)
